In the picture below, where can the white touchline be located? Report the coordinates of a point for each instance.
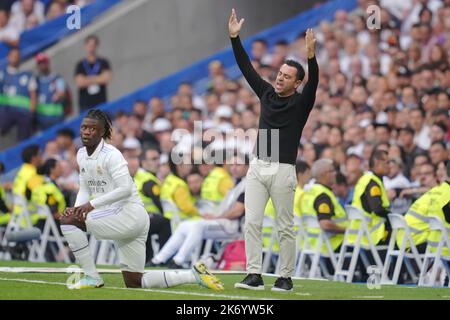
(147, 290)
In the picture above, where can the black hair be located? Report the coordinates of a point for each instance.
(301, 166)
(440, 112)
(99, 115)
(12, 48)
(441, 126)
(340, 178)
(376, 155)
(29, 152)
(282, 43)
(298, 66)
(142, 156)
(441, 143)
(172, 165)
(195, 170)
(66, 132)
(47, 167)
(260, 40)
(422, 154)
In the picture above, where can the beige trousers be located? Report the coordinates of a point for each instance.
(277, 181)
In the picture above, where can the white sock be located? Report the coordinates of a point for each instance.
(79, 244)
(167, 279)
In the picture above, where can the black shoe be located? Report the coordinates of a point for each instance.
(252, 281)
(283, 285)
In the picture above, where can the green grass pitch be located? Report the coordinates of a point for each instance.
(51, 286)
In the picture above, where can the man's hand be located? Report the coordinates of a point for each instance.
(310, 43)
(68, 211)
(234, 27)
(82, 211)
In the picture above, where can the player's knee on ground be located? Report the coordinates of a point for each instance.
(70, 220)
(132, 279)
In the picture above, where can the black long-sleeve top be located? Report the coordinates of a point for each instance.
(288, 114)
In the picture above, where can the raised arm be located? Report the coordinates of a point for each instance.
(254, 80)
(309, 91)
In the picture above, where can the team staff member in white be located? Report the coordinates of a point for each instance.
(109, 207)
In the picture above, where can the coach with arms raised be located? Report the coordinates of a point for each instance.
(283, 112)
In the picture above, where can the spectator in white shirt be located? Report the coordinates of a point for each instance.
(8, 33)
(27, 13)
(395, 178)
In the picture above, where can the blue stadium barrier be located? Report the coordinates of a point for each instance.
(41, 37)
(196, 74)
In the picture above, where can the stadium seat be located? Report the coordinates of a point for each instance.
(427, 276)
(398, 223)
(269, 223)
(50, 234)
(340, 274)
(317, 267)
(20, 221)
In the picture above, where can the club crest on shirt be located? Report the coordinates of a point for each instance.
(82, 170)
(99, 170)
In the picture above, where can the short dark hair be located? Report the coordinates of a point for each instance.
(29, 152)
(376, 155)
(301, 167)
(47, 167)
(340, 178)
(13, 48)
(92, 37)
(441, 143)
(441, 125)
(66, 132)
(260, 40)
(298, 66)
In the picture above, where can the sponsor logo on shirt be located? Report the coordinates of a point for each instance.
(97, 186)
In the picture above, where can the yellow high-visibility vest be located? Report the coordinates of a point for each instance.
(140, 179)
(375, 223)
(339, 216)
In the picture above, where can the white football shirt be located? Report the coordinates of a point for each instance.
(99, 173)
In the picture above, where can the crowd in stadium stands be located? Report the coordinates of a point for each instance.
(36, 100)
(379, 89)
(17, 16)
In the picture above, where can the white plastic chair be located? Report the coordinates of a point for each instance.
(340, 274)
(426, 279)
(270, 223)
(315, 254)
(19, 222)
(398, 223)
(50, 233)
